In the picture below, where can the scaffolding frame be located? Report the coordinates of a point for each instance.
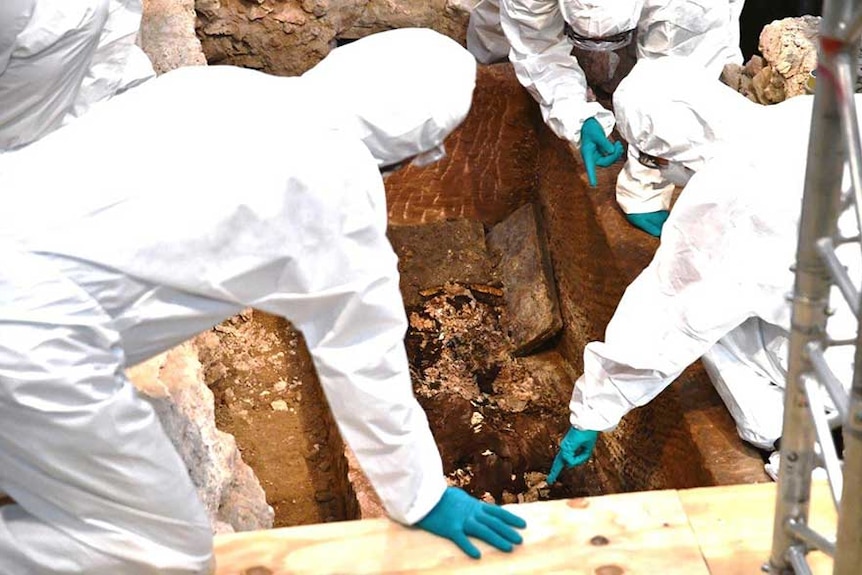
(806, 439)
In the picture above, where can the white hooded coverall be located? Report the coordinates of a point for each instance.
(723, 269)
(531, 34)
(168, 209)
(60, 57)
(673, 109)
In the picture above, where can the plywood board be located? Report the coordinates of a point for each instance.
(733, 525)
(633, 534)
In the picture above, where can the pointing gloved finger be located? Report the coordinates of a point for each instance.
(589, 155)
(507, 516)
(500, 528)
(488, 535)
(652, 222)
(556, 467)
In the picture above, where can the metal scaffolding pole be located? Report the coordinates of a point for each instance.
(834, 143)
(848, 544)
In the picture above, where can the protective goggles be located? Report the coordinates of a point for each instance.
(652, 161)
(604, 44)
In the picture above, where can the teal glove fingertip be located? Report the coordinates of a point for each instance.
(651, 222)
(588, 154)
(556, 467)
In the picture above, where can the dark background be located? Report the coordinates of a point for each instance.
(757, 13)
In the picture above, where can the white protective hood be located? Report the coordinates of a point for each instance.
(705, 32)
(389, 105)
(600, 18)
(677, 111)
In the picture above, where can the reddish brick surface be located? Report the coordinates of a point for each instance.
(490, 169)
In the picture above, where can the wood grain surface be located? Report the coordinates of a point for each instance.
(708, 531)
(611, 535)
(733, 525)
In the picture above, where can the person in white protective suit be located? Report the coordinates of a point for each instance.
(539, 36)
(59, 58)
(717, 285)
(143, 233)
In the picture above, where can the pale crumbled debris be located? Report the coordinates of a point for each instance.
(460, 477)
(279, 405)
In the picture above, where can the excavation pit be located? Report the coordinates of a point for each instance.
(495, 387)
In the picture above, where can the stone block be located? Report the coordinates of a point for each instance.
(524, 267)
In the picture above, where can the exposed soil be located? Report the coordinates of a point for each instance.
(267, 396)
(496, 418)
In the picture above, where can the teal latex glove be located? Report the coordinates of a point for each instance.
(575, 448)
(651, 222)
(458, 515)
(596, 149)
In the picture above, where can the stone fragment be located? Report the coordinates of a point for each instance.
(605, 69)
(524, 267)
(769, 86)
(174, 383)
(279, 405)
(167, 34)
(789, 46)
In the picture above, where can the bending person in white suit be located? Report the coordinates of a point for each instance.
(141, 234)
(717, 285)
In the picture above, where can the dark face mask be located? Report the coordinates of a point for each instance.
(605, 61)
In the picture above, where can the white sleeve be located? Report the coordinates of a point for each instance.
(649, 342)
(118, 63)
(724, 257)
(352, 316)
(541, 56)
(14, 15)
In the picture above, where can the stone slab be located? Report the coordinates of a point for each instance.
(431, 255)
(524, 267)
